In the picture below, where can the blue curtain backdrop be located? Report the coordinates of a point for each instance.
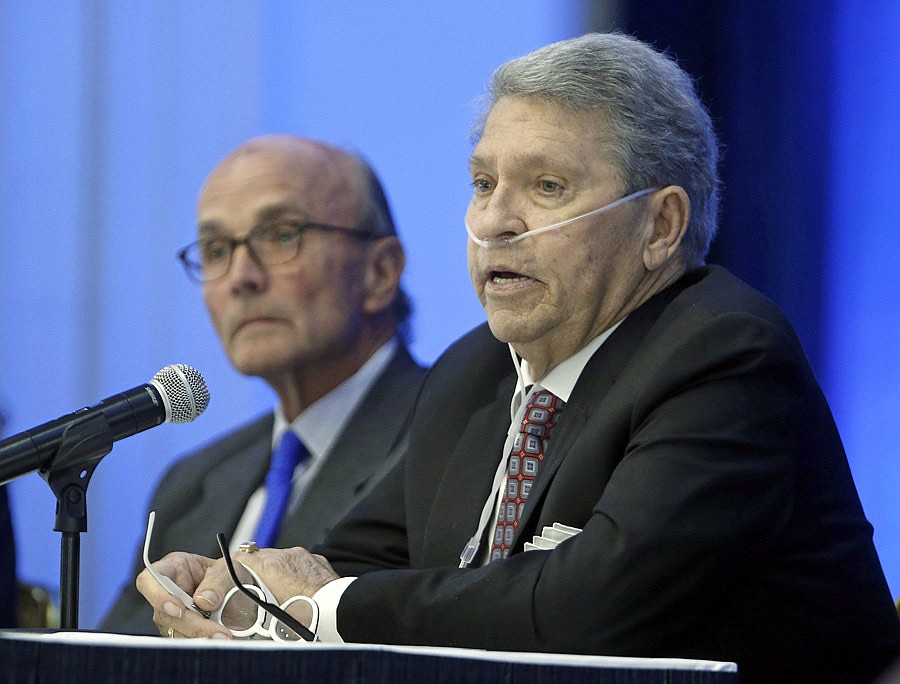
(862, 327)
(111, 114)
(806, 101)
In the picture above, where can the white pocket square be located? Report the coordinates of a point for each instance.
(550, 537)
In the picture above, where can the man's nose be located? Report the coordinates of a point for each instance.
(246, 272)
(498, 217)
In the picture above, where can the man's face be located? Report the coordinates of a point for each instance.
(535, 165)
(277, 319)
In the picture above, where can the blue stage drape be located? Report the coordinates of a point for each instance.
(805, 98)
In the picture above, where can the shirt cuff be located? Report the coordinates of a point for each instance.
(328, 598)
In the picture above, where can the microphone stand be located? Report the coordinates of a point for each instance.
(84, 443)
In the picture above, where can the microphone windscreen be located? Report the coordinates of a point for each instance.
(183, 392)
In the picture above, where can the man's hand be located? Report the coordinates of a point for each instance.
(286, 572)
(289, 572)
(188, 571)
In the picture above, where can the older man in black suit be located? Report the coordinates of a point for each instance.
(657, 472)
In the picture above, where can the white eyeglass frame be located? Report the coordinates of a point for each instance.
(265, 625)
(166, 582)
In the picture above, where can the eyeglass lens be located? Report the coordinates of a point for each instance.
(302, 611)
(239, 613)
(272, 244)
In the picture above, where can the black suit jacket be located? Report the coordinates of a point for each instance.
(719, 516)
(207, 492)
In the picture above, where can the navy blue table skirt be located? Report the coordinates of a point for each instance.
(28, 658)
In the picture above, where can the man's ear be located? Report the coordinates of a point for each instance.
(670, 210)
(384, 265)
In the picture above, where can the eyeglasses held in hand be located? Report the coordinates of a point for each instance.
(164, 581)
(258, 617)
(266, 619)
(273, 243)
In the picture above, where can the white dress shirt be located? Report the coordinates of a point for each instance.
(318, 427)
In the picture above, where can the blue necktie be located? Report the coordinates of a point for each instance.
(287, 454)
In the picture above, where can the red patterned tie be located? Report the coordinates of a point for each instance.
(524, 461)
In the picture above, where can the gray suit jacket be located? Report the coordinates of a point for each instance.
(206, 492)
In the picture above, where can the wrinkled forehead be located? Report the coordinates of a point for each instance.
(318, 182)
(533, 135)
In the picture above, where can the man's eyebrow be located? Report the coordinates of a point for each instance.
(209, 226)
(477, 161)
(525, 160)
(267, 214)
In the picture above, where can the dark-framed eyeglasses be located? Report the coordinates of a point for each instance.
(272, 243)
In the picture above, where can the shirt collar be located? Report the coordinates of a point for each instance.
(320, 423)
(562, 378)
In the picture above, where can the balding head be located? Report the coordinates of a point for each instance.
(333, 301)
(346, 178)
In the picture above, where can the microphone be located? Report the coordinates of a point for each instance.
(176, 394)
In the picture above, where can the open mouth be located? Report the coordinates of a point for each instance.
(507, 277)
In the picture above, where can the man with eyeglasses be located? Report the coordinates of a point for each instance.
(655, 474)
(300, 265)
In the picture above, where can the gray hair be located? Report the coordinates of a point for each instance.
(374, 211)
(375, 216)
(657, 132)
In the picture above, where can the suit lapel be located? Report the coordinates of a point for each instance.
(359, 453)
(595, 381)
(455, 512)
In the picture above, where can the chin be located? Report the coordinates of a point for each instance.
(514, 328)
(256, 364)
(504, 330)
